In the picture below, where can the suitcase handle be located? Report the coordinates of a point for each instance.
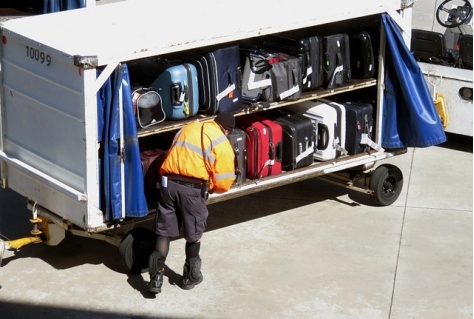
(259, 64)
(178, 96)
(238, 171)
(279, 152)
(323, 137)
(327, 63)
(239, 77)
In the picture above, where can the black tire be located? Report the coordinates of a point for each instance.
(386, 182)
(136, 248)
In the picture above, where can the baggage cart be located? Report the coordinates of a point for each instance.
(55, 145)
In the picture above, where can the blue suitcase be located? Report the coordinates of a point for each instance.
(225, 76)
(219, 79)
(178, 87)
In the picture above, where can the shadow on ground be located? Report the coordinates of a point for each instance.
(10, 310)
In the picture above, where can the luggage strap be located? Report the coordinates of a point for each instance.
(269, 162)
(339, 147)
(366, 140)
(295, 87)
(230, 88)
(307, 152)
(226, 92)
(252, 84)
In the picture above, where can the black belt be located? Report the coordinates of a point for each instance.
(198, 186)
(186, 181)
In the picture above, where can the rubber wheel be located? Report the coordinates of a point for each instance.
(386, 182)
(136, 248)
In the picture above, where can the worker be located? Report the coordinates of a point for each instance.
(200, 161)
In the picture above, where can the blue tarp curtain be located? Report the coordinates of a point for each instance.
(51, 6)
(109, 134)
(410, 118)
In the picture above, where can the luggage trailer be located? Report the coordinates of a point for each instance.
(67, 202)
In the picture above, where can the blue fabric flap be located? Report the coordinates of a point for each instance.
(410, 118)
(109, 132)
(51, 6)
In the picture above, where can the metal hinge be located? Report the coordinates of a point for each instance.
(407, 3)
(86, 62)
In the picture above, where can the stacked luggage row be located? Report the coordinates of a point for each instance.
(276, 68)
(268, 143)
(284, 139)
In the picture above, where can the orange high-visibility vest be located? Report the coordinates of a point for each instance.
(187, 158)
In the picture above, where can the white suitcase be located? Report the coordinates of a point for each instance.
(329, 120)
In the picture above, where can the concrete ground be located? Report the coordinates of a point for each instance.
(308, 250)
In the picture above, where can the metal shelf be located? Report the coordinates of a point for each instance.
(169, 125)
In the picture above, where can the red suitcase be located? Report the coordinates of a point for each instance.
(264, 146)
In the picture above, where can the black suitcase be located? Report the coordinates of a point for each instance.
(219, 77)
(237, 139)
(310, 52)
(359, 120)
(298, 141)
(362, 56)
(336, 60)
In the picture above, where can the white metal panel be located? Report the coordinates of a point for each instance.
(451, 80)
(69, 208)
(49, 130)
(137, 28)
(43, 106)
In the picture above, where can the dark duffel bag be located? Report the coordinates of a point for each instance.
(308, 49)
(255, 76)
(285, 73)
(151, 162)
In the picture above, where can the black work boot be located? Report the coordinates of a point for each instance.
(157, 270)
(154, 286)
(192, 275)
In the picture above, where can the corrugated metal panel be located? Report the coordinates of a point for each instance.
(44, 111)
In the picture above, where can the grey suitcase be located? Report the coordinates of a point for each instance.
(237, 139)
